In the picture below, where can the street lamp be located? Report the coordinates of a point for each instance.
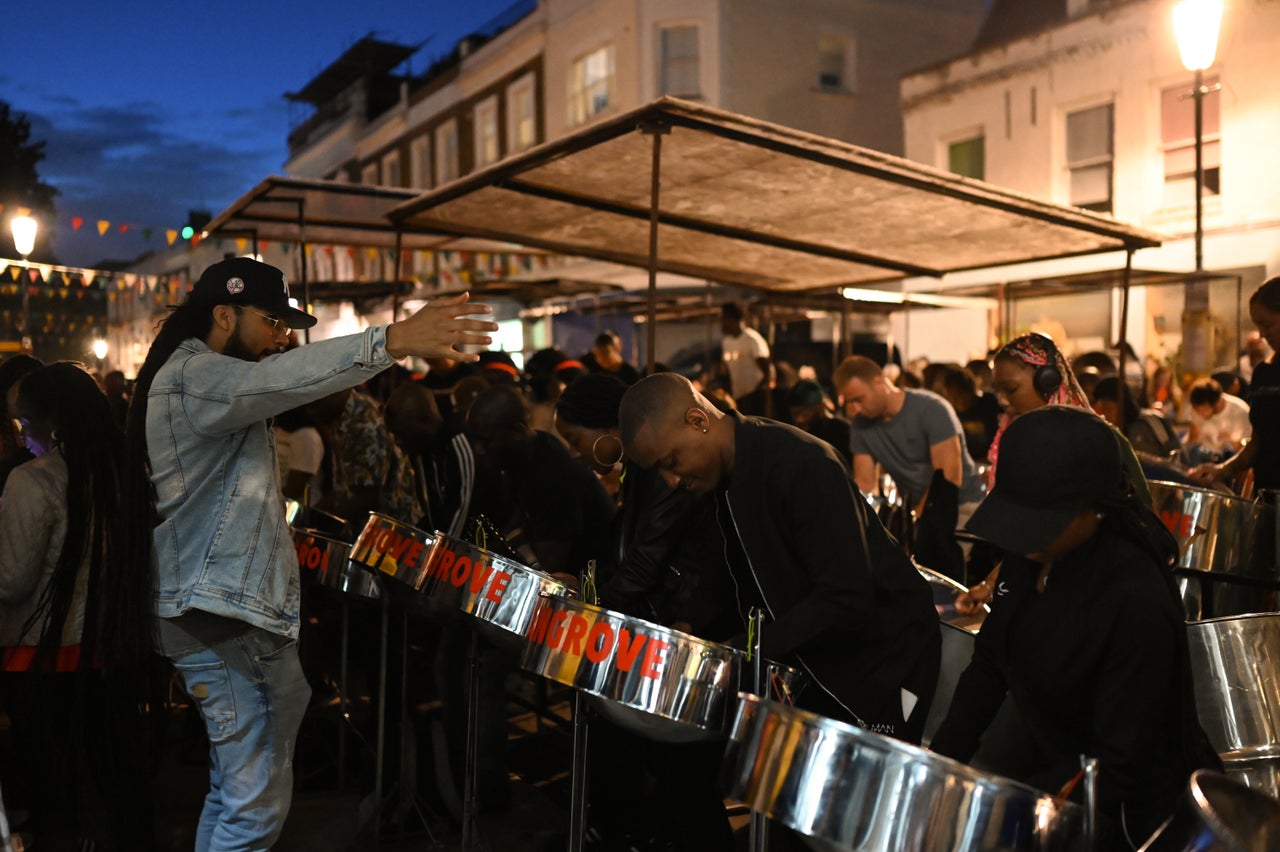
(23, 228)
(1196, 24)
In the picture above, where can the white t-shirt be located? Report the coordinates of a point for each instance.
(1230, 425)
(740, 354)
(302, 449)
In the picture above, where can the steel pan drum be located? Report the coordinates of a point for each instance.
(652, 680)
(845, 788)
(393, 549)
(501, 593)
(1219, 815)
(1221, 570)
(957, 645)
(1235, 667)
(325, 560)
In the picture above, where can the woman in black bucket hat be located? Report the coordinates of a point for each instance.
(1086, 632)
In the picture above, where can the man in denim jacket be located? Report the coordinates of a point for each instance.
(226, 574)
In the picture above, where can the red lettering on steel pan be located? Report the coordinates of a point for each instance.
(1178, 523)
(556, 632)
(312, 557)
(443, 562)
(577, 632)
(498, 586)
(480, 575)
(627, 653)
(538, 629)
(655, 659)
(599, 641)
(461, 570)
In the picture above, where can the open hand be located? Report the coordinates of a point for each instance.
(439, 328)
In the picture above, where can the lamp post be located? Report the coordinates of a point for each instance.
(1196, 24)
(24, 228)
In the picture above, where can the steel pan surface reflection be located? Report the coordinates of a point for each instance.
(393, 549)
(501, 593)
(1216, 814)
(325, 560)
(655, 681)
(848, 789)
(1235, 668)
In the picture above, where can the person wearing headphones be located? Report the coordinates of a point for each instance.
(1028, 373)
(1086, 632)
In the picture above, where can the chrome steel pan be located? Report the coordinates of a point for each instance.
(1235, 668)
(1217, 814)
(1215, 531)
(326, 561)
(500, 593)
(393, 549)
(652, 680)
(846, 789)
(945, 591)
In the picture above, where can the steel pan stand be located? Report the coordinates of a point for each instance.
(578, 784)
(471, 758)
(758, 828)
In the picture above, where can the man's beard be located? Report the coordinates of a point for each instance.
(236, 348)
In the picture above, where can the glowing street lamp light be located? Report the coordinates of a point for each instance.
(23, 228)
(1196, 24)
(24, 234)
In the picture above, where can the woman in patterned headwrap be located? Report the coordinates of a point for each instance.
(1029, 373)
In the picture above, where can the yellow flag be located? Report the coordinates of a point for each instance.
(103, 227)
(170, 235)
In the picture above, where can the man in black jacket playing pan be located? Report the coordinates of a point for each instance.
(842, 601)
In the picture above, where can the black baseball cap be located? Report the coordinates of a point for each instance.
(1053, 462)
(252, 283)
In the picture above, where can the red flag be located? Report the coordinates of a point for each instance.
(76, 222)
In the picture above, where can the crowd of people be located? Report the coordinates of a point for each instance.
(143, 540)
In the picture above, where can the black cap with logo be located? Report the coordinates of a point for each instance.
(249, 282)
(1053, 463)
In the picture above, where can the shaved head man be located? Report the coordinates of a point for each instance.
(842, 601)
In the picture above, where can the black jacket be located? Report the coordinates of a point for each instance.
(1096, 664)
(842, 600)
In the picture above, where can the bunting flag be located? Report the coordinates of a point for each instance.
(76, 222)
(103, 227)
(170, 235)
(241, 245)
(124, 227)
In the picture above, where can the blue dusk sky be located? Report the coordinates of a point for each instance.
(150, 109)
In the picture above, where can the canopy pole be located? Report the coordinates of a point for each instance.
(1122, 389)
(302, 246)
(657, 130)
(395, 277)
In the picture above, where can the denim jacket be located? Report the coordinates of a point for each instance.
(222, 544)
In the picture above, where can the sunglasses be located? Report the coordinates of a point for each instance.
(278, 325)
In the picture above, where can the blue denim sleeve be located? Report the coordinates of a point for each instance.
(222, 394)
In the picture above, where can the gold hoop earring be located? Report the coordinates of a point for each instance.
(596, 455)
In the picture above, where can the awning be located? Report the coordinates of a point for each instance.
(746, 202)
(296, 210)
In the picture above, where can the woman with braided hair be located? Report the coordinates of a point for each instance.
(1029, 373)
(74, 643)
(1086, 633)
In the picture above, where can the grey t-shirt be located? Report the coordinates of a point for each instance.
(901, 444)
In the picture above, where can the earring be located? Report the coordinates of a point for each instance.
(704, 431)
(596, 455)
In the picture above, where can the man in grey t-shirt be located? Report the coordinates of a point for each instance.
(910, 433)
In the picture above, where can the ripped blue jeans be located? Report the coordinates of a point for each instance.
(252, 694)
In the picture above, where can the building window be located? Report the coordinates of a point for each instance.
(1178, 139)
(591, 84)
(968, 158)
(420, 162)
(835, 63)
(1090, 150)
(486, 132)
(391, 169)
(447, 151)
(522, 122)
(369, 174)
(679, 71)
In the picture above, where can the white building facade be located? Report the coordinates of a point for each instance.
(1090, 105)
